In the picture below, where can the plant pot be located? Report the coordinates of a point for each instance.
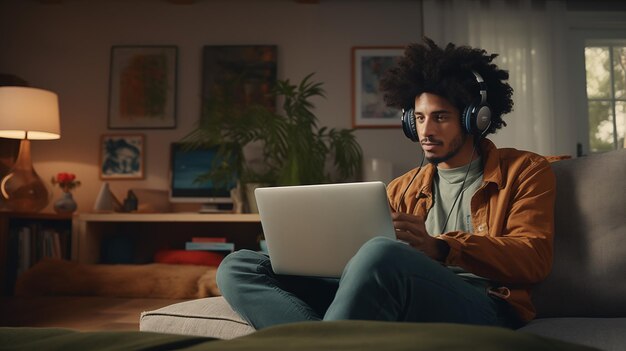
(65, 204)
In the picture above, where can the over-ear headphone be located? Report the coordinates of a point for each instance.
(408, 124)
(475, 119)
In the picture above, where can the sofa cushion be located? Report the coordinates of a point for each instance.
(210, 317)
(587, 278)
(603, 333)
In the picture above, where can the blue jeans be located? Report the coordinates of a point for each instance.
(386, 280)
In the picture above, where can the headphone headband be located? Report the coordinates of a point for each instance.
(483, 87)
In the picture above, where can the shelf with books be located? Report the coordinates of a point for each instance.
(26, 238)
(153, 237)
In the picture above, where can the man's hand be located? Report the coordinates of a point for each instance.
(411, 229)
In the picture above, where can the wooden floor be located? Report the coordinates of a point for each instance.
(79, 313)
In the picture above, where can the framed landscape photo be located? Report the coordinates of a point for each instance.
(122, 156)
(368, 106)
(142, 87)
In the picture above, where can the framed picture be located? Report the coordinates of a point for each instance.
(142, 87)
(242, 75)
(368, 106)
(122, 156)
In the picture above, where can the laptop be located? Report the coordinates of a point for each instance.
(314, 230)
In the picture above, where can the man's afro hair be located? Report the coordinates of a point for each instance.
(427, 68)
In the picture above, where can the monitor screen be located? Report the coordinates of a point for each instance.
(186, 166)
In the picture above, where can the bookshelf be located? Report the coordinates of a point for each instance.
(49, 234)
(136, 237)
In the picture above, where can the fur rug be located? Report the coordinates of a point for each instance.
(155, 280)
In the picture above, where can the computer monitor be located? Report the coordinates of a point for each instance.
(186, 166)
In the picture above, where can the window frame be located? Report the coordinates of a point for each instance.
(612, 99)
(585, 28)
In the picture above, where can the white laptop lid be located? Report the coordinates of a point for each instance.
(314, 230)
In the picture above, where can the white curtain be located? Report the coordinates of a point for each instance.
(529, 36)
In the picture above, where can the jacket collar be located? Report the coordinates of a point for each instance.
(492, 172)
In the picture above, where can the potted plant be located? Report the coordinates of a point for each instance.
(295, 149)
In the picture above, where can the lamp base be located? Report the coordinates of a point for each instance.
(22, 189)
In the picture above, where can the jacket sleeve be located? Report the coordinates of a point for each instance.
(516, 248)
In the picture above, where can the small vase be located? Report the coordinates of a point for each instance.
(65, 204)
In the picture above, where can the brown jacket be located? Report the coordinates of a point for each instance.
(513, 219)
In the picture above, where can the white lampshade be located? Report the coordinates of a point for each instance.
(29, 113)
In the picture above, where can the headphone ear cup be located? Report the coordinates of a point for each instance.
(466, 119)
(408, 124)
(482, 121)
(476, 119)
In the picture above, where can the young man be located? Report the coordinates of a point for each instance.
(478, 220)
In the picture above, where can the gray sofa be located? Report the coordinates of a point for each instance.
(582, 301)
(584, 298)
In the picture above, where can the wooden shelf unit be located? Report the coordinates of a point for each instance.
(145, 233)
(10, 222)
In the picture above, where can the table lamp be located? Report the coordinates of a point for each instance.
(27, 114)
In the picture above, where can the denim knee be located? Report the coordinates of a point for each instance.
(235, 267)
(384, 257)
(380, 250)
(379, 247)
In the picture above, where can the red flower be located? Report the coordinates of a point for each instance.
(67, 181)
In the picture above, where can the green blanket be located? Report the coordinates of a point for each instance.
(343, 335)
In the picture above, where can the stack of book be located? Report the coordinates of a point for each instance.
(210, 244)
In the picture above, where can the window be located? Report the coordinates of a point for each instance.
(605, 66)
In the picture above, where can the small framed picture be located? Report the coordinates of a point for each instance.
(142, 87)
(122, 156)
(368, 106)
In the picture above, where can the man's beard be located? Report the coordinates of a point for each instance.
(456, 144)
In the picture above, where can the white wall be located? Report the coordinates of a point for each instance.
(65, 48)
